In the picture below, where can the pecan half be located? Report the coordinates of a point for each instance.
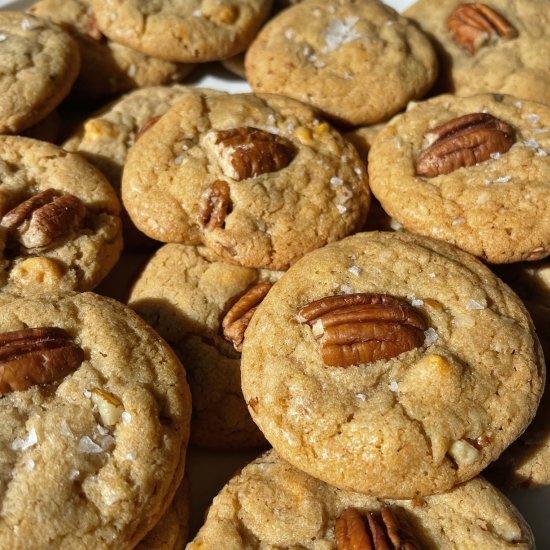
(217, 205)
(247, 152)
(463, 141)
(148, 125)
(474, 25)
(44, 218)
(238, 317)
(353, 532)
(36, 356)
(360, 328)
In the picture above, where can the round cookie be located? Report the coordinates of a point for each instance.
(258, 179)
(358, 61)
(92, 444)
(107, 68)
(190, 31)
(415, 371)
(40, 62)
(271, 505)
(513, 63)
(59, 219)
(422, 170)
(184, 295)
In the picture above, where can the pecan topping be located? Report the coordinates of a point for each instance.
(217, 206)
(360, 328)
(36, 356)
(474, 25)
(44, 218)
(149, 124)
(463, 141)
(238, 317)
(353, 532)
(247, 152)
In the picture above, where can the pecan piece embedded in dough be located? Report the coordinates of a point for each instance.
(463, 141)
(217, 205)
(36, 356)
(361, 328)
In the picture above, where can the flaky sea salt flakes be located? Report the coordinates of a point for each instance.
(178, 160)
(495, 155)
(132, 70)
(416, 302)
(361, 396)
(130, 456)
(393, 385)
(88, 446)
(503, 179)
(473, 304)
(74, 475)
(432, 275)
(26, 25)
(395, 225)
(66, 429)
(541, 152)
(355, 270)
(30, 464)
(430, 336)
(389, 22)
(358, 171)
(339, 32)
(533, 118)
(519, 104)
(341, 208)
(458, 221)
(289, 34)
(346, 289)
(336, 181)
(102, 430)
(317, 328)
(107, 442)
(197, 12)
(87, 394)
(20, 444)
(3, 37)
(126, 417)
(533, 143)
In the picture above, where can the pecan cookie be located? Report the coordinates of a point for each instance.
(358, 61)
(107, 68)
(259, 179)
(391, 364)
(501, 46)
(59, 219)
(190, 31)
(470, 171)
(95, 416)
(40, 62)
(201, 307)
(271, 505)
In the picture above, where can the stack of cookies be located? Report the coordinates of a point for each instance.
(315, 267)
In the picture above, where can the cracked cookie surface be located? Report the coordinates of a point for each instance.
(271, 505)
(185, 181)
(92, 460)
(415, 424)
(497, 209)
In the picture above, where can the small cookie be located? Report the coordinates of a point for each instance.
(59, 219)
(94, 423)
(455, 169)
(359, 62)
(191, 31)
(271, 505)
(107, 68)
(40, 62)
(257, 179)
(185, 295)
(391, 364)
(501, 46)
(235, 65)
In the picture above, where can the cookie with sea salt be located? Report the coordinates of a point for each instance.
(271, 505)
(500, 46)
(40, 62)
(258, 179)
(59, 219)
(358, 61)
(187, 296)
(391, 364)
(470, 171)
(95, 416)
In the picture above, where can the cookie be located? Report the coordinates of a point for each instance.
(271, 505)
(59, 219)
(455, 169)
(391, 364)
(259, 180)
(107, 68)
(40, 62)
(95, 417)
(501, 46)
(188, 32)
(358, 61)
(185, 295)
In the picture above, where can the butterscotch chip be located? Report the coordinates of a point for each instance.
(454, 400)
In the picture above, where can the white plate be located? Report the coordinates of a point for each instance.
(208, 472)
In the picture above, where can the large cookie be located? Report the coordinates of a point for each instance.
(59, 219)
(500, 46)
(358, 61)
(416, 369)
(260, 180)
(40, 62)
(271, 505)
(471, 171)
(190, 31)
(185, 295)
(95, 419)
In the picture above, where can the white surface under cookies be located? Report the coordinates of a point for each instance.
(208, 472)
